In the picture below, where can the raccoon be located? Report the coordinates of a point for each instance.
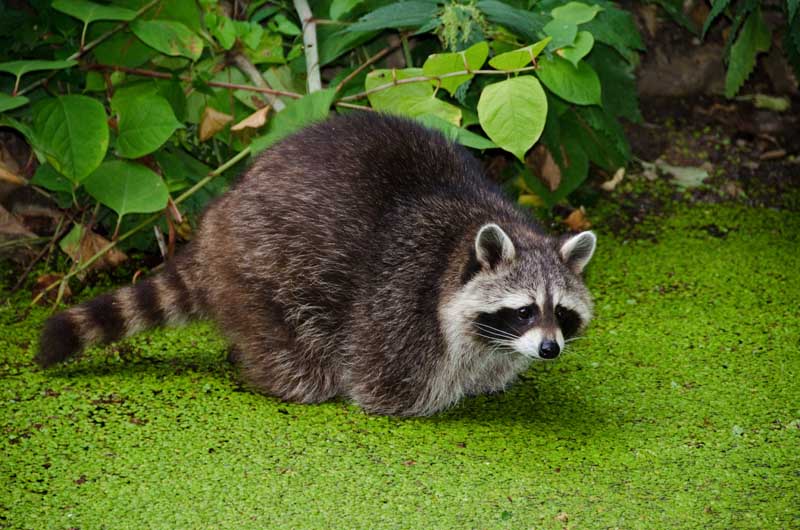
(365, 257)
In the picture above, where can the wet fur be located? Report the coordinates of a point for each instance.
(342, 264)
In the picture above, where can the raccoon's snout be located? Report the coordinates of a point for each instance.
(549, 349)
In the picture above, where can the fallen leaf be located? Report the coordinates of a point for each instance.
(609, 185)
(254, 121)
(577, 221)
(777, 104)
(80, 245)
(212, 122)
(544, 166)
(683, 176)
(772, 155)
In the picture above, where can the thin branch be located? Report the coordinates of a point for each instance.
(423, 78)
(309, 44)
(146, 222)
(372, 60)
(61, 230)
(352, 106)
(188, 79)
(249, 69)
(85, 49)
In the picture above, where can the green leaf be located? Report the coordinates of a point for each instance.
(580, 49)
(127, 187)
(145, 123)
(717, 7)
(73, 133)
(791, 8)
(445, 63)
(616, 28)
(521, 22)
(89, 11)
(563, 33)
(121, 49)
(283, 25)
(172, 38)
(513, 113)
(519, 58)
(456, 134)
(577, 85)
(334, 42)
(617, 81)
(20, 68)
(268, 50)
(604, 139)
(565, 147)
(222, 29)
(339, 8)
(575, 12)
(407, 14)
(299, 113)
(11, 102)
(48, 178)
(754, 38)
(408, 99)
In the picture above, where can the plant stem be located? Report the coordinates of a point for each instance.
(423, 78)
(375, 58)
(249, 69)
(309, 44)
(406, 51)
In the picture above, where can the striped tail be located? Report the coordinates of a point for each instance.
(165, 299)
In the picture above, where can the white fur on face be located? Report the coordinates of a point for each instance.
(529, 343)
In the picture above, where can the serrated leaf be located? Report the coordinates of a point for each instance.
(456, 134)
(73, 133)
(563, 33)
(169, 37)
(127, 187)
(11, 102)
(299, 113)
(519, 58)
(445, 63)
(580, 49)
(145, 122)
(577, 85)
(717, 7)
(513, 113)
(576, 12)
(409, 14)
(522, 22)
(408, 99)
(89, 11)
(754, 38)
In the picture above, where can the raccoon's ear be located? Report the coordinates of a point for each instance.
(492, 246)
(578, 250)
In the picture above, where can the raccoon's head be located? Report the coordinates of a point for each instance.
(522, 293)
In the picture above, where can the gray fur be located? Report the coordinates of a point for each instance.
(346, 262)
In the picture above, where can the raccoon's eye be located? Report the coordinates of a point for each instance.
(525, 313)
(568, 321)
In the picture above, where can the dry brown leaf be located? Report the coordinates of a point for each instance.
(45, 281)
(90, 244)
(577, 221)
(254, 121)
(609, 185)
(544, 166)
(10, 226)
(212, 122)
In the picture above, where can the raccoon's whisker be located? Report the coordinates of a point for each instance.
(573, 339)
(495, 340)
(495, 331)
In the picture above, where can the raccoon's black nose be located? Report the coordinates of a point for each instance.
(549, 349)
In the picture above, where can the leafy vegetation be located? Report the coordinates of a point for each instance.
(129, 105)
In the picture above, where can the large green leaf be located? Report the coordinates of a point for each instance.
(299, 113)
(409, 99)
(406, 14)
(11, 102)
(456, 134)
(519, 58)
(616, 28)
(48, 178)
(127, 187)
(754, 38)
(339, 8)
(522, 22)
(169, 37)
(89, 11)
(513, 113)
(73, 133)
(445, 63)
(577, 85)
(20, 68)
(145, 123)
(580, 48)
(576, 12)
(121, 49)
(618, 82)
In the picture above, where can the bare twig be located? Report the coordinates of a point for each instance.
(219, 84)
(375, 58)
(356, 107)
(309, 44)
(61, 229)
(249, 69)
